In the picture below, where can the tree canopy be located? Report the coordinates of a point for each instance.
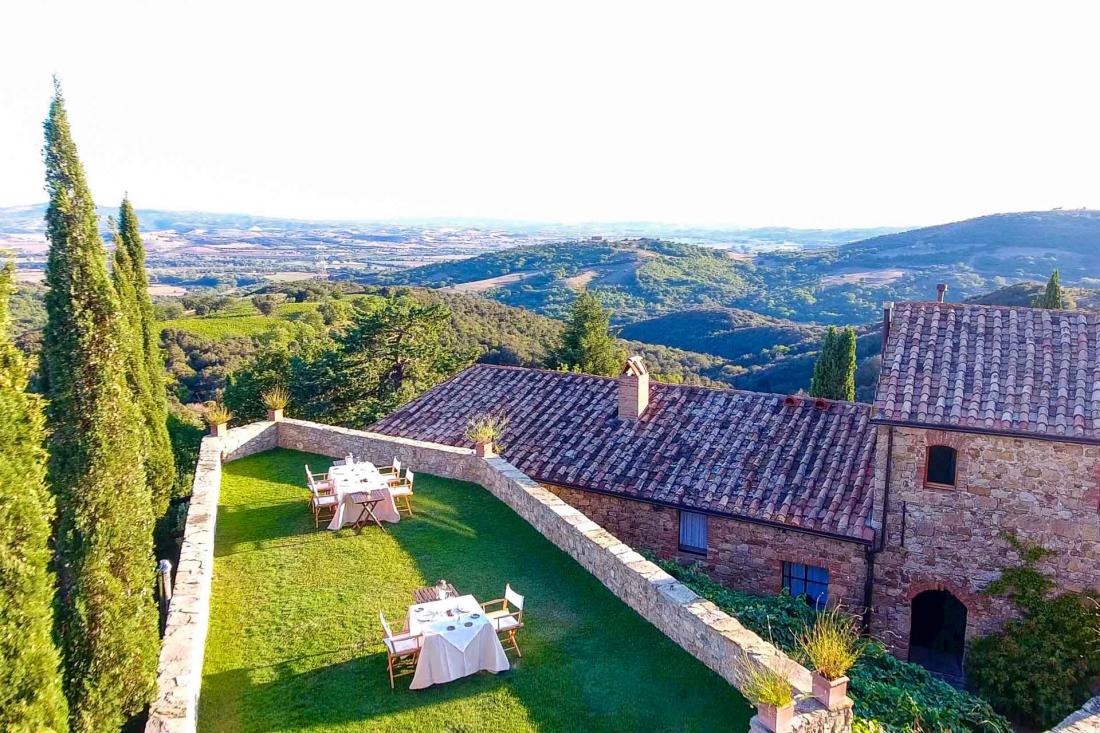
(31, 697)
(834, 376)
(106, 620)
(1052, 298)
(587, 344)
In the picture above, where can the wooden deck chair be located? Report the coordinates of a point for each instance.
(323, 506)
(319, 483)
(508, 618)
(402, 651)
(401, 489)
(391, 472)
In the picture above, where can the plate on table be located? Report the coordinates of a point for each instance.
(468, 624)
(450, 628)
(475, 615)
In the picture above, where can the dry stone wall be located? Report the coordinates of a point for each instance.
(712, 636)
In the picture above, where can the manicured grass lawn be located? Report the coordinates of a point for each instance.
(294, 641)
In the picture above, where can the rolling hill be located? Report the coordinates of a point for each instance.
(643, 279)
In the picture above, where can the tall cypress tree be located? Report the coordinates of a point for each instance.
(31, 697)
(587, 344)
(146, 366)
(834, 376)
(1052, 295)
(107, 620)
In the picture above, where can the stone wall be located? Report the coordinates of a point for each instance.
(712, 636)
(741, 555)
(1085, 720)
(948, 538)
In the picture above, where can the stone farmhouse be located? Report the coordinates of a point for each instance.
(986, 420)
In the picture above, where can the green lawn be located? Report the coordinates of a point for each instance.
(242, 319)
(294, 641)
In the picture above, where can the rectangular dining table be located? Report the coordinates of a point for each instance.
(458, 640)
(361, 478)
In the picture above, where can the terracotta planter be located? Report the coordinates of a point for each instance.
(830, 693)
(776, 719)
(219, 430)
(275, 415)
(484, 450)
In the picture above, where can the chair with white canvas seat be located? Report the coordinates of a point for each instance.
(323, 506)
(401, 489)
(319, 483)
(508, 618)
(391, 472)
(402, 651)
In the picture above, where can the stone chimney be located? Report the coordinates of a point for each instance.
(887, 315)
(633, 389)
(941, 291)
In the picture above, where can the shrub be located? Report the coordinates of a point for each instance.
(890, 695)
(486, 428)
(276, 398)
(831, 644)
(1039, 667)
(217, 414)
(764, 686)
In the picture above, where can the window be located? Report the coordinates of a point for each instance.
(693, 532)
(942, 462)
(808, 581)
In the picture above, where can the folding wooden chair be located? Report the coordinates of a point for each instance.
(319, 482)
(401, 489)
(508, 619)
(323, 506)
(402, 651)
(391, 472)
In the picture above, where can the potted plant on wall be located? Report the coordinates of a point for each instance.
(218, 417)
(772, 695)
(831, 646)
(485, 430)
(275, 400)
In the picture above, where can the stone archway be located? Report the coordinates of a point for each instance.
(937, 632)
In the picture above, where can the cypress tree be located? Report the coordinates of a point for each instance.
(106, 618)
(1051, 298)
(834, 376)
(587, 344)
(31, 697)
(146, 366)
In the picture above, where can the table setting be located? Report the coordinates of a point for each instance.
(361, 478)
(458, 640)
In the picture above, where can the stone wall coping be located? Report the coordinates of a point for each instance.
(1085, 720)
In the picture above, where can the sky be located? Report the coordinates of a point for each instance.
(815, 114)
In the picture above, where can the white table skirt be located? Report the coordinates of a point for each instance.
(360, 477)
(448, 655)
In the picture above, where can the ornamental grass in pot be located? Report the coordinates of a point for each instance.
(275, 400)
(217, 417)
(772, 695)
(483, 431)
(831, 646)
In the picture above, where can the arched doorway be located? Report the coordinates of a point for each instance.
(937, 632)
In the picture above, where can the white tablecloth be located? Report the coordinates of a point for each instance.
(451, 648)
(360, 477)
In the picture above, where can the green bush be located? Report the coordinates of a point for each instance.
(890, 696)
(1039, 667)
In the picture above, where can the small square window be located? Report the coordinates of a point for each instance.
(693, 532)
(942, 464)
(808, 581)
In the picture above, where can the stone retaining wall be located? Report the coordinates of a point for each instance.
(1085, 720)
(701, 628)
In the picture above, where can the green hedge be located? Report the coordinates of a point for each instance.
(890, 695)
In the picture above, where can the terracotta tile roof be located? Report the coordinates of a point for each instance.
(741, 454)
(992, 368)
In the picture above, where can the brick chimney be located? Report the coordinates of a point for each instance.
(633, 389)
(941, 291)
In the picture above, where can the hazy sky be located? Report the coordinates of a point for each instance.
(754, 113)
